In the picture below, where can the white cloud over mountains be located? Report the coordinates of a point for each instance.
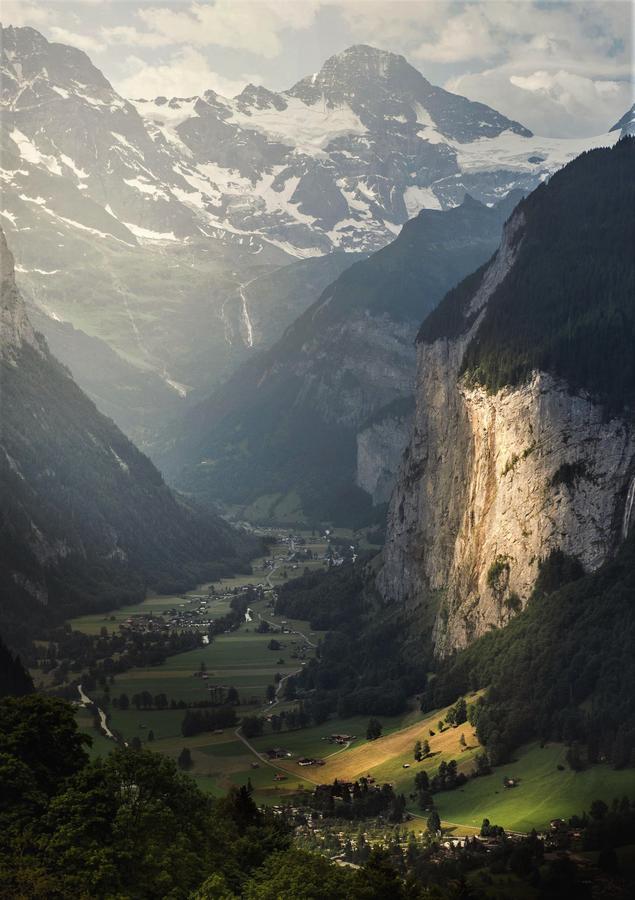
(186, 73)
(254, 26)
(561, 68)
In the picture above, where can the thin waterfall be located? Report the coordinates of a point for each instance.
(628, 509)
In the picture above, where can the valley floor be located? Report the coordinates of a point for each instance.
(546, 786)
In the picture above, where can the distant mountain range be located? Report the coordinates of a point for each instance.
(86, 520)
(160, 226)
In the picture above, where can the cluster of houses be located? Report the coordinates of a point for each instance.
(192, 613)
(281, 753)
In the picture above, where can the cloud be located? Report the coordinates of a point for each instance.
(20, 13)
(465, 37)
(560, 68)
(464, 31)
(550, 103)
(184, 74)
(252, 25)
(128, 35)
(84, 41)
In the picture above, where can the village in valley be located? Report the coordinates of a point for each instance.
(204, 677)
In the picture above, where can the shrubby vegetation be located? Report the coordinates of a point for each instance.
(358, 800)
(132, 825)
(196, 721)
(14, 678)
(327, 600)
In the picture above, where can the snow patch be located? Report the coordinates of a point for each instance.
(75, 169)
(122, 464)
(29, 152)
(145, 187)
(307, 128)
(511, 152)
(418, 198)
(171, 114)
(148, 235)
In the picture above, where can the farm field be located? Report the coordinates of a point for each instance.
(383, 758)
(312, 741)
(242, 659)
(543, 793)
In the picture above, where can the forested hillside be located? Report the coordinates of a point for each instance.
(566, 306)
(563, 669)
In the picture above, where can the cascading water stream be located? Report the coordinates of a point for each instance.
(628, 509)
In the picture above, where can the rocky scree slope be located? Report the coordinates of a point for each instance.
(86, 520)
(523, 442)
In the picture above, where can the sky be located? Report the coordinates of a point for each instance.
(560, 68)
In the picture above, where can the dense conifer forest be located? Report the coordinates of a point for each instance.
(566, 306)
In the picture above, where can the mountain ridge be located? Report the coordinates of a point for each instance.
(175, 205)
(87, 521)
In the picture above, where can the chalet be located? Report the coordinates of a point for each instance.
(277, 753)
(341, 738)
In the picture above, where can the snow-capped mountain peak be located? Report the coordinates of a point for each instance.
(180, 201)
(626, 124)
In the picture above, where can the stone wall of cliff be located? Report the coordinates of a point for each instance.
(491, 484)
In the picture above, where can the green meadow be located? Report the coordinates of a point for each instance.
(243, 660)
(544, 792)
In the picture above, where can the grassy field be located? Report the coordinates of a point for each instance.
(383, 758)
(242, 660)
(544, 791)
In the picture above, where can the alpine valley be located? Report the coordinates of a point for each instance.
(317, 461)
(208, 224)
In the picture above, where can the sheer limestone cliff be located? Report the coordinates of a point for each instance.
(493, 482)
(380, 444)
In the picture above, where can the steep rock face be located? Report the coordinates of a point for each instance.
(493, 482)
(380, 445)
(15, 328)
